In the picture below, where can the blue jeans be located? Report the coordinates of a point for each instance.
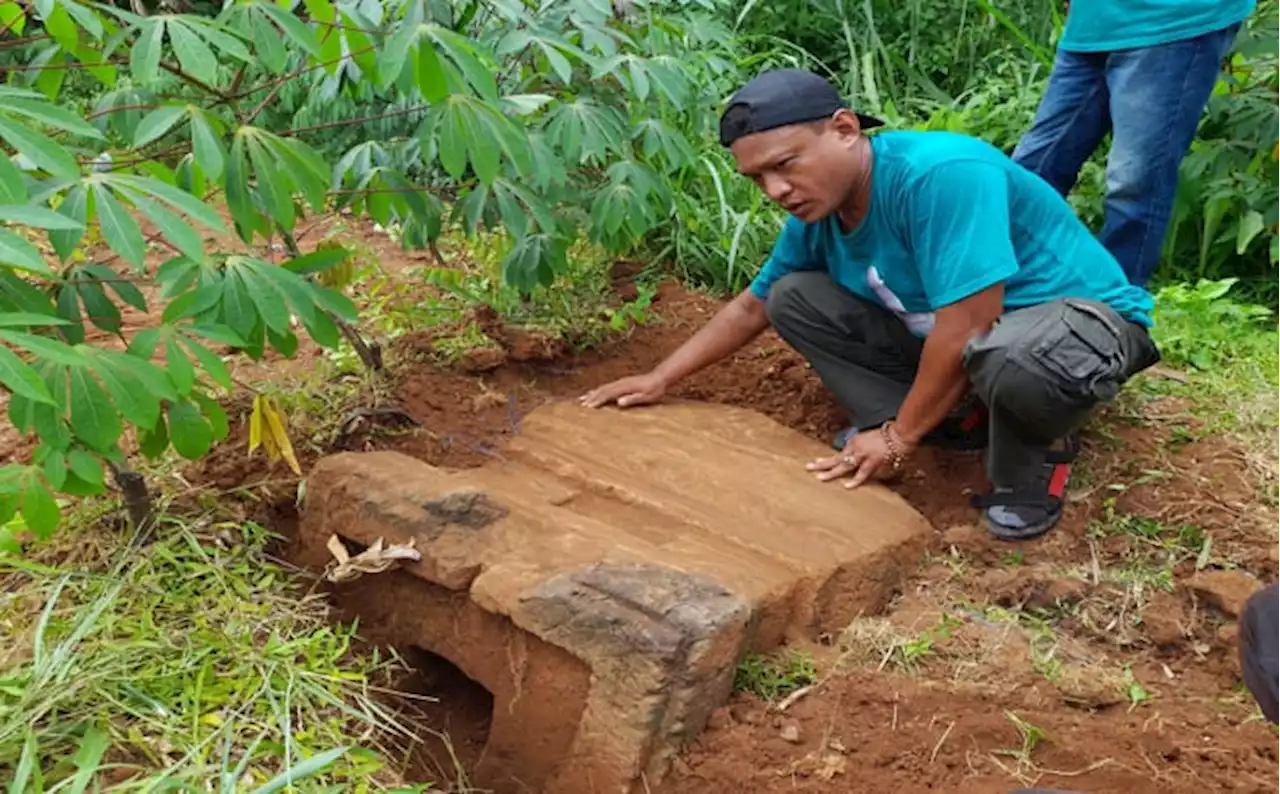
(1150, 99)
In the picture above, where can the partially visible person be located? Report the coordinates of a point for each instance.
(921, 273)
(1142, 70)
(1259, 647)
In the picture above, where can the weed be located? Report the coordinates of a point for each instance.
(188, 661)
(774, 676)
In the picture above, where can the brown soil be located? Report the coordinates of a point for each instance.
(944, 723)
(884, 731)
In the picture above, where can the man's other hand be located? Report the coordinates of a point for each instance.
(864, 457)
(634, 390)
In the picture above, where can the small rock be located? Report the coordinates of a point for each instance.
(1228, 633)
(681, 767)
(720, 718)
(790, 733)
(1225, 591)
(1056, 592)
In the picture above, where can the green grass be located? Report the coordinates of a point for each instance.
(194, 663)
(771, 677)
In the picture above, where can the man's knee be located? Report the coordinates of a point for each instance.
(789, 295)
(1048, 366)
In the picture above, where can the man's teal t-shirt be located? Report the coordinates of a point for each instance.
(1107, 25)
(949, 217)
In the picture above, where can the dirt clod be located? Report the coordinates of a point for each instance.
(1225, 591)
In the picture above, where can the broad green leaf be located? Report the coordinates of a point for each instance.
(308, 171)
(39, 217)
(175, 230)
(13, 188)
(1248, 228)
(86, 466)
(121, 286)
(189, 431)
(227, 44)
(180, 368)
(28, 319)
(118, 227)
(193, 53)
(210, 362)
(54, 466)
(93, 418)
(39, 509)
(17, 252)
(294, 288)
(13, 18)
(155, 383)
(273, 187)
(322, 330)
(49, 349)
(431, 80)
(144, 58)
(157, 123)
(214, 413)
(525, 104)
(218, 333)
(268, 44)
(39, 149)
(285, 343)
(131, 398)
(180, 200)
(152, 443)
(69, 310)
(271, 304)
(75, 206)
(238, 310)
(293, 27)
(87, 19)
(100, 310)
(21, 379)
(317, 261)
(239, 200)
(206, 146)
(463, 55)
(144, 343)
(48, 113)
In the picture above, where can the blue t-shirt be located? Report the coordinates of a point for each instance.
(1107, 25)
(949, 217)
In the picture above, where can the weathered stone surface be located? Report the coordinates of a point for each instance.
(622, 561)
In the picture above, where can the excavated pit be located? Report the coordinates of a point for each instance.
(601, 580)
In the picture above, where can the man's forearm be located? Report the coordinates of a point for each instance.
(732, 327)
(940, 383)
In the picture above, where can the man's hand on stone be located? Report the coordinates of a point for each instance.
(864, 457)
(626, 392)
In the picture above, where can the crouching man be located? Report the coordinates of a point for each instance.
(944, 294)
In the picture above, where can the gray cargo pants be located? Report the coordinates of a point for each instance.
(1040, 371)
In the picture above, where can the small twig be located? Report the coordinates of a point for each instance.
(791, 699)
(934, 755)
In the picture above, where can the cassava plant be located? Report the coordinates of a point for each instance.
(127, 130)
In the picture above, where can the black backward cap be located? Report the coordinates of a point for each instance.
(778, 98)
